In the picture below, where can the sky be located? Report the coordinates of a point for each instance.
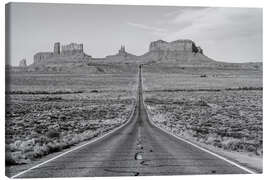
(225, 34)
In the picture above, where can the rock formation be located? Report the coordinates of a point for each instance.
(183, 51)
(72, 49)
(56, 49)
(71, 53)
(184, 45)
(200, 50)
(22, 63)
(121, 56)
(71, 57)
(42, 56)
(122, 51)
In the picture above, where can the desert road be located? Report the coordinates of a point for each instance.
(138, 148)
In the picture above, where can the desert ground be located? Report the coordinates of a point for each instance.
(220, 109)
(47, 112)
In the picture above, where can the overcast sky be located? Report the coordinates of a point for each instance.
(225, 34)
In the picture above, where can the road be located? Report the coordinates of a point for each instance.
(137, 149)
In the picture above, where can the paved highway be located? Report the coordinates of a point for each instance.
(137, 149)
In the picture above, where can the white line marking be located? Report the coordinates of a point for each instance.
(201, 148)
(91, 141)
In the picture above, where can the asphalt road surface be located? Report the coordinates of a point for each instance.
(137, 149)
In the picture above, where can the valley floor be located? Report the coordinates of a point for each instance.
(47, 113)
(221, 111)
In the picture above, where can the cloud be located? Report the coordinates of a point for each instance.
(217, 23)
(183, 10)
(225, 33)
(154, 30)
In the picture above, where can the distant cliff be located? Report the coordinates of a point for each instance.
(121, 56)
(183, 51)
(72, 49)
(70, 57)
(183, 45)
(71, 53)
(22, 63)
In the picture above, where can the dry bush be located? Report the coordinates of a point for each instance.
(230, 120)
(52, 133)
(37, 129)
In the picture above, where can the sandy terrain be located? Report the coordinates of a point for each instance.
(221, 110)
(46, 113)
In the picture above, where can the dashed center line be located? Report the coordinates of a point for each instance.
(138, 156)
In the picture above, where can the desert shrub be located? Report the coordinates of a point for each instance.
(94, 91)
(210, 139)
(99, 69)
(259, 151)
(237, 135)
(42, 140)
(152, 101)
(9, 160)
(217, 143)
(14, 158)
(202, 103)
(47, 98)
(14, 146)
(52, 133)
(231, 144)
(27, 146)
(40, 151)
(42, 125)
(203, 76)
(54, 147)
(40, 128)
(244, 88)
(251, 148)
